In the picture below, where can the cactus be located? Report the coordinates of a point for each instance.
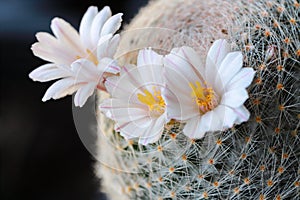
(258, 159)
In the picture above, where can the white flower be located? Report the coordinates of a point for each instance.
(68, 45)
(209, 98)
(83, 77)
(136, 102)
(92, 49)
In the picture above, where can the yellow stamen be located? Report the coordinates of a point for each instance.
(90, 56)
(204, 97)
(155, 102)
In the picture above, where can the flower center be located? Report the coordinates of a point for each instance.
(205, 97)
(155, 102)
(90, 56)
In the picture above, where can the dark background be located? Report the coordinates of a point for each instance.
(41, 154)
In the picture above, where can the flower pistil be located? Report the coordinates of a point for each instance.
(155, 101)
(205, 97)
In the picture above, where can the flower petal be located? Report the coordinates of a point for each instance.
(59, 88)
(122, 111)
(234, 98)
(226, 115)
(53, 54)
(194, 59)
(98, 23)
(177, 61)
(193, 128)
(103, 47)
(180, 103)
(66, 34)
(107, 46)
(109, 65)
(215, 57)
(85, 26)
(114, 43)
(153, 133)
(217, 53)
(49, 72)
(222, 117)
(149, 57)
(242, 79)
(229, 67)
(86, 71)
(120, 87)
(242, 114)
(84, 93)
(150, 67)
(112, 24)
(134, 129)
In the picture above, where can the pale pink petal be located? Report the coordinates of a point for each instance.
(221, 118)
(47, 39)
(86, 71)
(226, 115)
(120, 87)
(85, 26)
(149, 57)
(179, 106)
(178, 95)
(65, 33)
(109, 65)
(193, 128)
(242, 79)
(153, 133)
(127, 84)
(113, 103)
(194, 59)
(49, 72)
(197, 127)
(103, 46)
(58, 88)
(51, 49)
(52, 54)
(229, 67)
(242, 114)
(217, 53)
(114, 43)
(134, 129)
(84, 93)
(215, 56)
(112, 24)
(234, 98)
(177, 62)
(150, 67)
(98, 23)
(123, 111)
(68, 91)
(152, 76)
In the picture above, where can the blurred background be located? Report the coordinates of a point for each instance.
(41, 154)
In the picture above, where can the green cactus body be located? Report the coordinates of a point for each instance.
(258, 159)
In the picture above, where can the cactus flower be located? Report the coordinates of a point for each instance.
(211, 97)
(137, 105)
(94, 46)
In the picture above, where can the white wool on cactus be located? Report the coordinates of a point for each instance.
(211, 97)
(93, 47)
